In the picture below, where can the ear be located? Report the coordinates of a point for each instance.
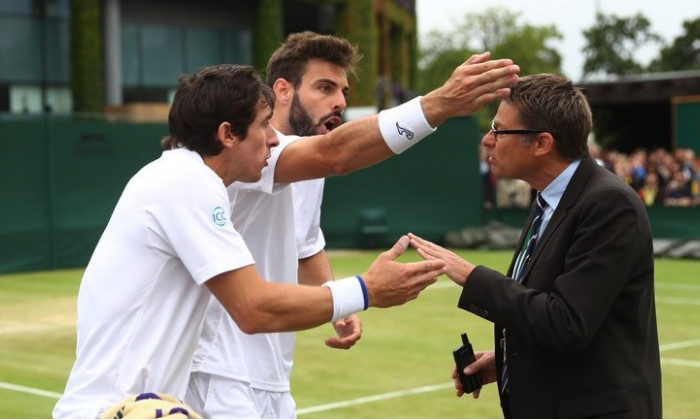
(225, 134)
(544, 144)
(284, 90)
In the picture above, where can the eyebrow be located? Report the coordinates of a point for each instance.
(328, 81)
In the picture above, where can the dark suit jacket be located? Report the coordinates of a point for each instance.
(581, 329)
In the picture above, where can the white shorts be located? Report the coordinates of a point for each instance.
(215, 396)
(275, 405)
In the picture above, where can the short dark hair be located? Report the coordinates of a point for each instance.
(552, 103)
(226, 93)
(289, 60)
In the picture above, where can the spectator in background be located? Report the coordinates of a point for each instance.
(638, 170)
(678, 191)
(695, 183)
(665, 168)
(686, 160)
(621, 166)
(677, 176)
(649, 192)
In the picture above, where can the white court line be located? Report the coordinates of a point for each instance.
(373, 398)
(35, 328)
(681, 362)
(679, 286)
(679, 345)
(398, 394)
(27, 390)
(678, 301)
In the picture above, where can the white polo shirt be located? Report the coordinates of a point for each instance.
(264, 214)
(141, 301)
(308, 197)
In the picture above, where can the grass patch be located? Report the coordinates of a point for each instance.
(403, 348)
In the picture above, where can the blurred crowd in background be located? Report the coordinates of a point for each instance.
(659, 176)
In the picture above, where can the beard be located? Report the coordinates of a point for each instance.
(301, 122)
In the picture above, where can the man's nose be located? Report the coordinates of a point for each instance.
(340, 103)
(272, 140)
(489, 139)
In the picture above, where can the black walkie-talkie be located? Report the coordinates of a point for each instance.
(464, 356)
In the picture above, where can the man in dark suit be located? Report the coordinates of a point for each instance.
(574, 319)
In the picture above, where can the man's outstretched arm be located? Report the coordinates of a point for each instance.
(366, 141)
(258, 306)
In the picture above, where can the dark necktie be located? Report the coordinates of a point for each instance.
(520, 266)
(533, 234)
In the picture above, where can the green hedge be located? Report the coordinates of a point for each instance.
(86, 76)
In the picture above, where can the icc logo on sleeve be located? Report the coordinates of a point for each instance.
(219, 216)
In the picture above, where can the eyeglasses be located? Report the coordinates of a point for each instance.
(496, 131)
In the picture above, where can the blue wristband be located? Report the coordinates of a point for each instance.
(364, 291)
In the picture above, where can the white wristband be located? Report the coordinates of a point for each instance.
(404, 125)
(349, 296)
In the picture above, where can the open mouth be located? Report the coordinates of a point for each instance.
(332, 123)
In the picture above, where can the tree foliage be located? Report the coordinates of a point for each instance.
(357, 24)
(268, 32)
(613, 42)
(497, 30)
(528, 48)
(684, 51)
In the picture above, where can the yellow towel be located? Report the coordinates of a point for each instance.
(150, 406)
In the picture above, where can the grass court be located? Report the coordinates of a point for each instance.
(399, 369)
